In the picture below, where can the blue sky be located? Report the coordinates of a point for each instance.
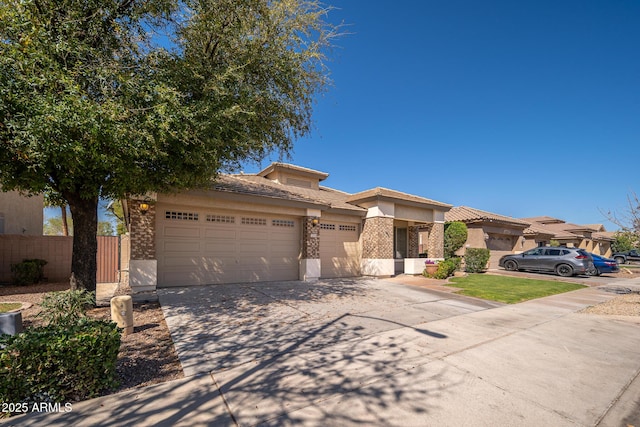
(521, 108)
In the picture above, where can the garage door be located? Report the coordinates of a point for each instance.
(339, 254)
(499, 245)
(197, 248)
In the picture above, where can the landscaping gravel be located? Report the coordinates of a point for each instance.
(147, 356)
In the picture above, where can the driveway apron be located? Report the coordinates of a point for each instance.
(372, 352)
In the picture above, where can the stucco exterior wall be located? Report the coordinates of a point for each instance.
(21, 215)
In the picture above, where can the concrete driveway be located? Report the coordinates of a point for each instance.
(372, 352)
(379, 353)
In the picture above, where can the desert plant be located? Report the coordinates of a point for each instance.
(475, 259)
(455, 235)
(66, 307)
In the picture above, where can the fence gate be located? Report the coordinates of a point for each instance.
(108, 258)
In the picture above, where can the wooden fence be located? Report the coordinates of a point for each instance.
(57, 250)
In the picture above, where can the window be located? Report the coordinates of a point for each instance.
(554, 252)
(186, 216)
(324, 226)
(254, 221)
(347, 228)
(1, 223)
(221, 219)
(283, 223)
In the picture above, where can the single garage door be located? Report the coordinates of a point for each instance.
(196, 248)
(339, 254)
(499, 245)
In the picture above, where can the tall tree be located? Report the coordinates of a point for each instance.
(95, 102)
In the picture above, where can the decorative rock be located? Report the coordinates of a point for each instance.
(11, 323)
(122, 312)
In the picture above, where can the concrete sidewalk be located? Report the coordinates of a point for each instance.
(368, 352)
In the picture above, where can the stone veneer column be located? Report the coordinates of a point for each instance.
(310, 267)
(143, 266)
(377, 247)
(436, 240)
(414, 241)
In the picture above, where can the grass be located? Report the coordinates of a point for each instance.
(8, 306)
(509, 290)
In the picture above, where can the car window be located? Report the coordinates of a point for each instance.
(554, 252)
(565, 252)
(536, 251)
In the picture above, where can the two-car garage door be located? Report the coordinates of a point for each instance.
(225, 247)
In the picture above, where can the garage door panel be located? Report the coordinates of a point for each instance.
(212, 233)
(181, 232)
(222, 247)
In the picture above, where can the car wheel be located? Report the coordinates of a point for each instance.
(564, 270)
(593, 271)
(619, 260)
(510, 265)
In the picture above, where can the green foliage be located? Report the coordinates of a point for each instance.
(455, 235)
(65, 308)
(93, 105)
(59, 363)
(445, 269)
(625, 241)
(54, 226)
(475, 259)
(28, 272)
(509, 290)
(114, 210)
(554, 243)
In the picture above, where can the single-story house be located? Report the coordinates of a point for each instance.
(500, 234)
(592, 237)
(278, 224)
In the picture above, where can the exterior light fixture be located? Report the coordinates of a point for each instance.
(315, 221)
(144, 207)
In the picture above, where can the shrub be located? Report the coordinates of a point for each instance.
(66, 307)
(476, 259)
(28, 272)
(446, 268)
(59, 363)
(455, 235)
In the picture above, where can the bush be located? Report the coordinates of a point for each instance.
(476, 259)
(66, 307)
(28, 272)
(59, 363)
(445, 269)
(455, 235)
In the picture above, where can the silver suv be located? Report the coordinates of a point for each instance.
(562, 261)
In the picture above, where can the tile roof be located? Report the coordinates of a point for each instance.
(542, 219)
(255, 185)
(467, 214)
(380, 192)
(299, 169)
(538, 229)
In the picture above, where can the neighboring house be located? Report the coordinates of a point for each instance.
(500, 234)
(279, 224)
(21, 215)
(592, 237)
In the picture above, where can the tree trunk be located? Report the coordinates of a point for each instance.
(65, 223)
(84, 213)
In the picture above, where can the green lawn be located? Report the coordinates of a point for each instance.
(8, 306)
(507, 289)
